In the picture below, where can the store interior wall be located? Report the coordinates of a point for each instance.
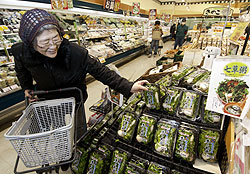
(145, 4)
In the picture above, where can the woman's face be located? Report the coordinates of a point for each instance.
(48, 43)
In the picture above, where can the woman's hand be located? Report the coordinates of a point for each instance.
(27, 93)
(138, 86)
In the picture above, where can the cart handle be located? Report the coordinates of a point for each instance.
(54, 91)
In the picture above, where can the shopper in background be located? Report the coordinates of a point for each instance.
(181, 32)
(54, 63)
(156, 37)
(172, 31)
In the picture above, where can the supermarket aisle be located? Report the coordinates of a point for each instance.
(131, 70)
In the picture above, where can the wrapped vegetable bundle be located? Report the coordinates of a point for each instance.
(194, 76)
(209, 145)
(118, 162)
(210, 116)
(139, 108)
(132, 169)
(185, 144)
(145, 129)
(189, 105)
(127, 126)
(81, 159)
(106, 151)
(155, 168)
(165, 137)
(165, 81)
(152, 97)
(96, 163)
(170, 99)
(185, 70)
(203, 84)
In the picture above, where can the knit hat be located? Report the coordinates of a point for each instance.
(32, 21)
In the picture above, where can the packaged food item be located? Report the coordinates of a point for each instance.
(127, 126)
(96, 163)
(194, 76)
(189, 105)
(139, 108)
(3, 74)
(209, 145)
(186, 143)
(165, 137)
(132, 169)
(165, 81)
(170, 99)
(155, 168)
(210, 116)
(118, 162)
(80, 163)
(203, 84)
(176, 76)
(3, 83)
(152, 97)
(145, 129)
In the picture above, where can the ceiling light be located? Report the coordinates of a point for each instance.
(183, 0)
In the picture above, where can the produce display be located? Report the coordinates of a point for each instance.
(165, 137)
(157, 168)
(164, 82)
(127, 126)
(195, 76)
(145, 129)
(185, 144)
(209, 145)
(189, 105)
(210, 116)
(139, 162)
(170, 99)
(203, 84)
(118, 162)
(96, 163)
(79, 164)
(178, 75)
(152, 97)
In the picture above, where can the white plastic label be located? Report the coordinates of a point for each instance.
(7, 89)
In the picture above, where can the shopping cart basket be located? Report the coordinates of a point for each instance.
(44, 134)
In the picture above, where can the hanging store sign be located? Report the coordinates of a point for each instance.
(239, 31)
(117, 5)
(136, 8)
(152, 14)
(109, 5)
(59, 4)
(229, 87)
(217, 11)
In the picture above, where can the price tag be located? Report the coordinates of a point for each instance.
(7, 89)
(14, 86)
(102, 59)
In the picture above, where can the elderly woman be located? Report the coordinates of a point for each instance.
(53, 62)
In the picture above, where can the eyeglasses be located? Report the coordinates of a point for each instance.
(54, 41)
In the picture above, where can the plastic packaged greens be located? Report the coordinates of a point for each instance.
(155, 168)
(127, 126)
(145, 129)
(209, 145)
(106, 151)
(96, 163)
(194, 76)
(139, 108)
(203, 84)
(176, 76)
(189, 105)
(170, 99)
(118, 163)
(210, 116)
(165, 81)
(165, 137)
(152, 97)
(186, 143)
(132, 169)
(80, 162)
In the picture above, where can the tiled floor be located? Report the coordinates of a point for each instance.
(131, 70)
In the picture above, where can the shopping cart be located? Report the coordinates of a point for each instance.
(44, 137)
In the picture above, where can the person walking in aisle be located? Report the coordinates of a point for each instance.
(181, 32)
(156, 37)
(54, 63)
(172, 31)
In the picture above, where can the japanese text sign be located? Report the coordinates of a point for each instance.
(229, 87)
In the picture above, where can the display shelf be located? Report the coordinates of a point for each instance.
(1, 48)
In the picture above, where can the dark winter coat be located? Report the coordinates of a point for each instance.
(67, 69)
